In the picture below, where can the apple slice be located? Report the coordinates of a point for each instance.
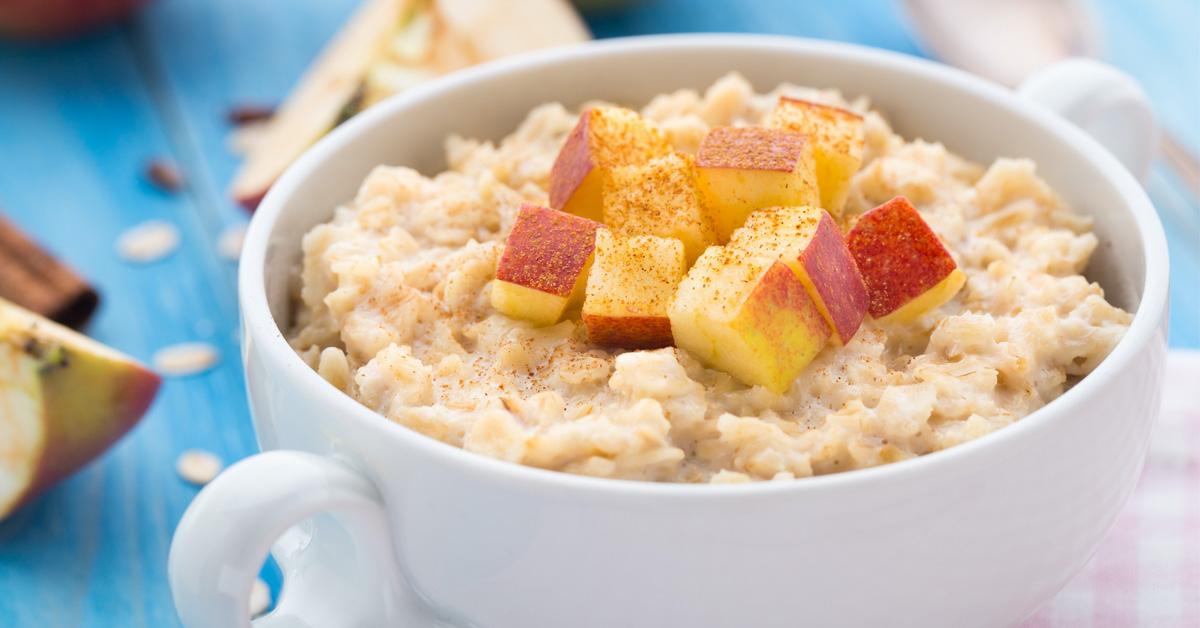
(906, 269)
(386, 47)
(498, 28)
(544, 265)
(630, 288)
(808, 241)
(64, 399)
(317, 102)
(741, 169)
(837, 138)
(604, 138)
(748, 315)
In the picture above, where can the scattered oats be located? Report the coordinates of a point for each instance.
(260, 598)
(187, 358)
(197, 466)
(229, 244)
(242, 140)
(148, 242)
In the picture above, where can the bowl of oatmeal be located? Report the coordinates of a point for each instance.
(708, 330)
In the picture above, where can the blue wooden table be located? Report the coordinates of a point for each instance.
(79, 121)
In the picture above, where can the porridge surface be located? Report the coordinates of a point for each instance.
(394, 309)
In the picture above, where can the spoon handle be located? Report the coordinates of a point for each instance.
(1180, 159)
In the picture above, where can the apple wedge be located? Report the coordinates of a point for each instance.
(498, 28)
(741, 169)
(661, 198)
(837, 138)
(386, 47)
(544, 266)
(316, 104)
(629, 290)
(904, 265)
(810, 243)
(64, 399)
(604, 138)
(748, 315)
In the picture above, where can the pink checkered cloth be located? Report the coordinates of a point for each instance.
(1146, 574)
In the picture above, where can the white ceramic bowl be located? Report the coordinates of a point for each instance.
(399, 529)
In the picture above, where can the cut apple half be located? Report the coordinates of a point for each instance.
(64, 399)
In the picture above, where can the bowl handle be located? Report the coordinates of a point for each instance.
(1105, 102)
(326, 526)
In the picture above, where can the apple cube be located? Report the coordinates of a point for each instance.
(906, 269)
(64, 399)
(810, 243)
(741, 169)
(630, 288)
(604, 138)
(837, 138)
(748, 315)
(659, 198)
(544, 266)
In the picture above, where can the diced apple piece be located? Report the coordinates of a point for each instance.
(604, 138)
(741, 169)
(809, 241)
(748, 315)
(64, 399)
(544, 266)
(906, 269)
(837, 138)
(630, 288)
(662, 198)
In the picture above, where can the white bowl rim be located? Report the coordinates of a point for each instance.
(270, 339)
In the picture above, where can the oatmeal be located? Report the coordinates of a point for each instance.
(395, 309)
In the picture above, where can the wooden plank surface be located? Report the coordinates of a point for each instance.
(79, 121)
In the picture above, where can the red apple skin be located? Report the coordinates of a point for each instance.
(629, 332)
(50, 19)
(251, 203)
(572, 165)
(547, 250)
(68, 454)
(899, 256)
(836, 278)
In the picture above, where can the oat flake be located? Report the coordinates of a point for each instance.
(148, 242)
(229, 244)
(197, 466)
(187, 358)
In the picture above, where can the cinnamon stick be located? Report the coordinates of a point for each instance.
(34, 279)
